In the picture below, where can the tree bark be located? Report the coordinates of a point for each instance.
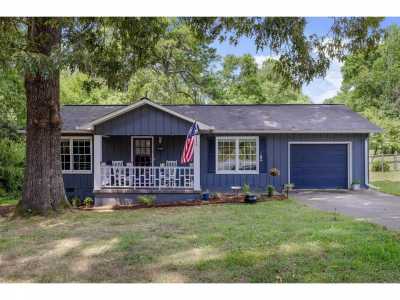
(43, 190)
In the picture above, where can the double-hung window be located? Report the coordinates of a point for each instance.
(237, 155)
(76, 155)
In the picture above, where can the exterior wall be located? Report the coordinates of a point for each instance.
(102, 199)
(78, 185)
(119, 148)
(145, 120)
(274, 151)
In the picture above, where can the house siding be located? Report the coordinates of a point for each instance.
(119, 148)
(276, 149)
(78, 185)
(145, 120)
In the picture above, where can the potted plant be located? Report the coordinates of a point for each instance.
(356, 185)
(270, 191)
(288, 187)
(205, 195)
(249, 197)
(88, 201)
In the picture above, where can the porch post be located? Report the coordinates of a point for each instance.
(196, 163)
(97, 158)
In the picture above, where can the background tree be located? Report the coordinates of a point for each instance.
(113, 49)
(371, 86)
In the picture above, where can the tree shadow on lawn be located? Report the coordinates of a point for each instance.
(233, 243)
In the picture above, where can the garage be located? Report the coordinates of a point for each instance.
(319, 166)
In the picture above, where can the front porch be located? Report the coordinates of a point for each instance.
(128, 166)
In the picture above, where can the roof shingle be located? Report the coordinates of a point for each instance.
(313, 118)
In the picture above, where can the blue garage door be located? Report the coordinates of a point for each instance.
(318, 166)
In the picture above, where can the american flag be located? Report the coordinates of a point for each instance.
(187, 153)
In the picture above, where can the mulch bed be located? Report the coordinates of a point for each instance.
(225, 199)
(6, 210)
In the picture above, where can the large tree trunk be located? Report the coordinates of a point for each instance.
(43, 190)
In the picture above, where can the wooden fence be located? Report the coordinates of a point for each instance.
(393, 160)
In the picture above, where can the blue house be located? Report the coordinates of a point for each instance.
(117, 152)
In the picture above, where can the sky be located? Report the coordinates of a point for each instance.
(320, 88)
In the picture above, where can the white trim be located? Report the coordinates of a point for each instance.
(237, 138)
(97, 159)
(143, 137)
(79, 137)
(196, 163)
(90, 125)
(366, 163)
(349, 156)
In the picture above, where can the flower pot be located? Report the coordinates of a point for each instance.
(205, 196)
(355, 186)
(249, 198)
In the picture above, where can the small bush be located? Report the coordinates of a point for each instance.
(377, 166)
(76, 202)
(88, 201)
(146, 200)
(246, 188)
(270, 190)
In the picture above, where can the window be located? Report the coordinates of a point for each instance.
(237, 155)
(76, 155)
(143, 152)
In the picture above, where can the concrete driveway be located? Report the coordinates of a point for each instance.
(366, 205)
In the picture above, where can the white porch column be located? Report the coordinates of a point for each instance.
(196, 163)
(97, 158)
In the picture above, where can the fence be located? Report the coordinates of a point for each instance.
(393, 160)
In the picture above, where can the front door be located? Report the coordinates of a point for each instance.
(142, 152)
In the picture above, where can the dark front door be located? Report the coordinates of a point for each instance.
(318, 166)
(142, 152)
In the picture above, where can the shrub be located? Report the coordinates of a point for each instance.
(12, 161)
(88, 201)
(246, 188)
(270, 190)
(76, 202)
(377, 166)
(146, 200)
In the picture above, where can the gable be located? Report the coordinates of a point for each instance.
(144, 120)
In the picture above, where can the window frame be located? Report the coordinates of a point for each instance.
(71, 139)
(237, 154)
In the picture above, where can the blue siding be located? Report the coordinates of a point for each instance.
(145, 120)
(78, 185)
(276, 149)
(119, 148)
(318, 166)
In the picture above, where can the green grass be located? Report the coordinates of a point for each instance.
(8, 200)
(280, 241)
(389, 187)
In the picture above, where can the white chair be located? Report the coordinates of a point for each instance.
(105, 175)
(130, 174)
(170, 173)
(118, 172)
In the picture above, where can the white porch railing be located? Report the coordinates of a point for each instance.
(147, 177)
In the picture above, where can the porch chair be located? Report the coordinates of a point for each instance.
(170, 173)
(105, 175)
(118, 172)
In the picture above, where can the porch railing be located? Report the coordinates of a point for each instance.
(147, 177)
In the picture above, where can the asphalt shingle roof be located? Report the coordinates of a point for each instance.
(241, 118)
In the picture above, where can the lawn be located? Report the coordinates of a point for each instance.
(387, 182)
(387, 186)
(280, 241)
(8, 200)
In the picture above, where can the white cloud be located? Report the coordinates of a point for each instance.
(261, 58)
(323, 88)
